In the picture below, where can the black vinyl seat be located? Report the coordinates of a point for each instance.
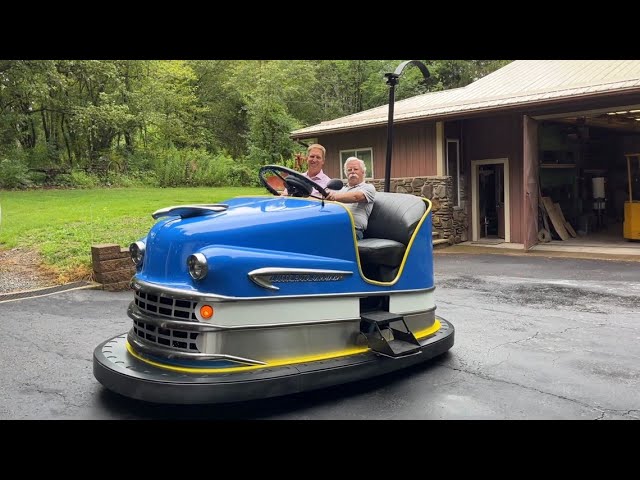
(392, 222)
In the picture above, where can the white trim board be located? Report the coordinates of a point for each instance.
(440, 166)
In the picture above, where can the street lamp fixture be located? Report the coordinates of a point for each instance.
(392, 81)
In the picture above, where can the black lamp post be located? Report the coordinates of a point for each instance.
(392, 81)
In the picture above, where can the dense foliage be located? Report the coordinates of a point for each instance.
(204, 122)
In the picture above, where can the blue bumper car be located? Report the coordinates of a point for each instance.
(265, 296)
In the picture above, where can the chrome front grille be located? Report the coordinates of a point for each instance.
(166, 307)
(166, 337)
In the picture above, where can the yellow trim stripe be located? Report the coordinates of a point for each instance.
(420, 334)
(277, 363)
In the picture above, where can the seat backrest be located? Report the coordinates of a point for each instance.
(395, 216)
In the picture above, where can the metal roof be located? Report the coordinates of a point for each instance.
(521, 82)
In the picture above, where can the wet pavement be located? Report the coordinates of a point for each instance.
(536, 338)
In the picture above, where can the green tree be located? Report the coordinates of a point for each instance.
(460, 73)
(265, 87)
(173, 114)
(69, 114)
(224, 112)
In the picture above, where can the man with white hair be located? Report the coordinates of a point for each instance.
(358, 194)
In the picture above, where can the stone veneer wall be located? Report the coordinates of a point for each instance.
(448, 220)
(112, 266)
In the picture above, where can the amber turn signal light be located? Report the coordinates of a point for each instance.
(206, 311)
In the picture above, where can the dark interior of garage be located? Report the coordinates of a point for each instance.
(583, 169)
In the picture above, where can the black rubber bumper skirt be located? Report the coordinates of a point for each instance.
(119, 371)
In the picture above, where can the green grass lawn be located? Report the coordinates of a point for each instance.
(63, 224)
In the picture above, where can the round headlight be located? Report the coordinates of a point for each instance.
(197, 264)
(136, 250)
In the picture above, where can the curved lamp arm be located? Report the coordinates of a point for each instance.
(392, 81)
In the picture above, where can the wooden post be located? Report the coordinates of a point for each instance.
(629, 175)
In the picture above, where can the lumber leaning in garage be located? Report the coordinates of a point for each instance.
(567, 225)
(556, 220)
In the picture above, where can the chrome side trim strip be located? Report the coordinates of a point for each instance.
(264, 276)
(135, 314)
(186, 211)
(181, 294)
(143, 347)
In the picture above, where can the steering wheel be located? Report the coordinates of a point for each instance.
(297, 184)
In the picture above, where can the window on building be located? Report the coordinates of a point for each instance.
(453, 167)
(364, 154)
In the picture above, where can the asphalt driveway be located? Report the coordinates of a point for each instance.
(536, 338)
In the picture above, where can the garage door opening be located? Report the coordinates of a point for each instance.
(583, 171)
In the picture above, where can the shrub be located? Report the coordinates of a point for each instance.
(13, 173)
(81, 179)
(170, 169)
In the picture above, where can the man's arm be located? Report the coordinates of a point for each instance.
(351, 196)
(364, 194)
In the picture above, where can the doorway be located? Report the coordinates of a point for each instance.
(490, 201)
